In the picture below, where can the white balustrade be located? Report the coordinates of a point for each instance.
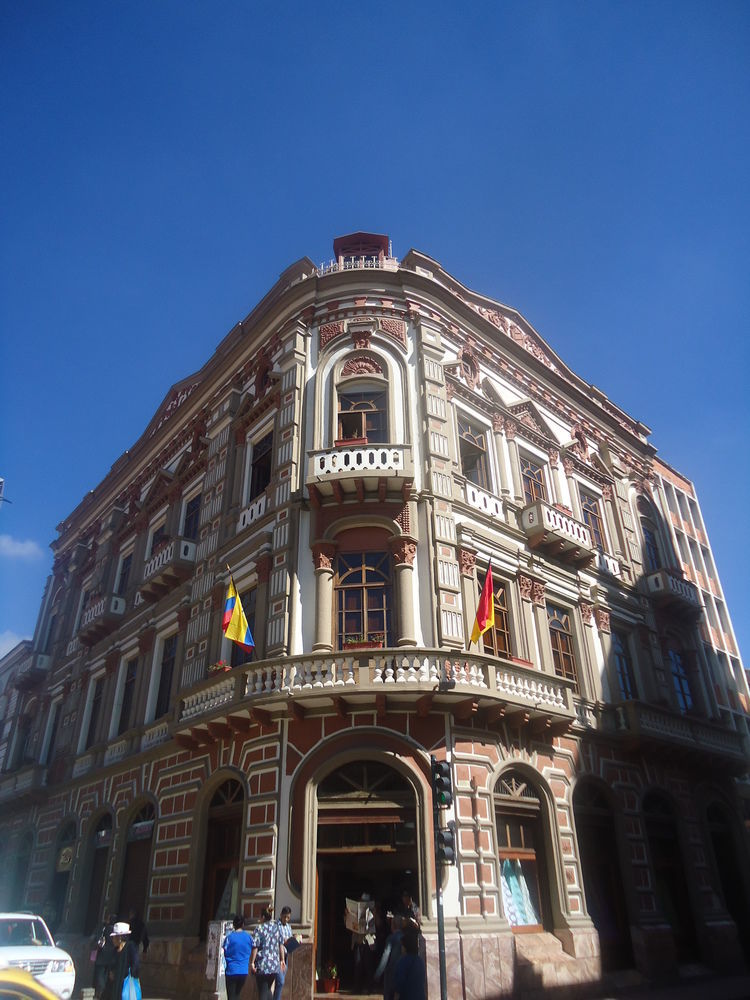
(359, 459)
(488, 504)
(207, 699)
(115, 751)
(155, 735)
(253, 512)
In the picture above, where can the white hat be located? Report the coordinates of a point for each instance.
(120, 929)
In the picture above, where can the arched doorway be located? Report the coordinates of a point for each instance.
(366, 843)
(223, 851)
(135, 871)
(733, 884)
(524, 880)
(64, 854)
(101, 841)
(602, 878)
(670, 878)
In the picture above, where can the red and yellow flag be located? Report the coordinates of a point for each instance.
(486, 611)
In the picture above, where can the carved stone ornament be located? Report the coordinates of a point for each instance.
(498, 423)
(525, 585)
(587, 610)
(511, 429)
(568, 465)
(361, 338)
(404, 550)
(554, 456)
(362, 365)
(602, 619)
(449, 390)
(581, 446)
(395, 328)
(469, 367)
(323, 555)
(607, 492)
(329, 331)
(467, 561)
(537, 592)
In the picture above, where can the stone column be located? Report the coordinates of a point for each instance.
(498, 425)
(467, 560)
(618, 544)
(263, 567)
(575, 500)
(560, 487)
(404, 549)
(511, 427)
(323, 553)
(530, 593)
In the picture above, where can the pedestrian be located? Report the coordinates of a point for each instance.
(105, 953)
(363, 945)
(285, 926)
(138, 932)
(267, 958)
(126, 961)
(391, 957)
(409, 977)
(238, 946)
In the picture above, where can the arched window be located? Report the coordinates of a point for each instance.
(137, 866)
(523, 875)
(363, 595)
(561, 638)
(362, 402)
(534, 483)
(472, 443)
(221, 879)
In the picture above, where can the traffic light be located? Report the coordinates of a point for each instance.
(446, 845)
(442, 787)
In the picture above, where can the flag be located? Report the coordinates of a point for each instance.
(486, 610)
(235, 625)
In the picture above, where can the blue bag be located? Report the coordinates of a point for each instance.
(131, 988)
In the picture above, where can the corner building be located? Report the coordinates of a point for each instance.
(359, 449)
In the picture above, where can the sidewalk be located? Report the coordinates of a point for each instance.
(695, 987)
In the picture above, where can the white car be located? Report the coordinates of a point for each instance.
(26, 943)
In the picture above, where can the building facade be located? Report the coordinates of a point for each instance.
(359, 450)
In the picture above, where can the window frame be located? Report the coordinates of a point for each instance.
(155, 685)
(472, 440)
(256, 437)
(679, 672)
(622, 661)
(187, 512)
(532, 495)
(502, 612)
(121, 589)
(88, 724)
(559, 655)
(599, 525)
(344, 637)
(360, 386)
(157, 533)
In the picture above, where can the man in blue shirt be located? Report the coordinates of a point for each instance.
(409, 980)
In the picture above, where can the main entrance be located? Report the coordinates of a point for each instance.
(366, 844)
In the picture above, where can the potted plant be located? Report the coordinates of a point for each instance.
(219, 667)
(374, 640)
(328, 977)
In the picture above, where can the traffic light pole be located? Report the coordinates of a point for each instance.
(439, 888)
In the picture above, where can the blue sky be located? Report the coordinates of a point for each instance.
(163, 162)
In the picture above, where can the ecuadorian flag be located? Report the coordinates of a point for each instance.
(235, 624)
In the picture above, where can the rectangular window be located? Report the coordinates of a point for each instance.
(532, 477)
(496, 641)
(593, 519)
(168, 657)
(192, 518)
(680, 680)
(51, 630)
(128, 693)
(124, 575)
(363, 415)
(53, 732)
(561, 637)
(625, 679)
(260, 465)
(96, 711)
(653, 559)
(239, 655)
(472, 444)
(158, 537)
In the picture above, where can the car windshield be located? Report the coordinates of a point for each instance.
(20, 931)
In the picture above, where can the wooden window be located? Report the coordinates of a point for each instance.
(593, 518)
(192, 518)
(261, 462)
(625, 679)
(561, 637)
(363, 598)
(496, 641)
(363, 415)
(651, 546)
(128, 693)
(472, 443)
(680, 679)
(96, 710)
(168, 657)
(158, 538)
(124, 575)
(532, 476)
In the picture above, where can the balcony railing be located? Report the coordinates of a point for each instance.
(557, 533)
(608, 564)
(368, 263)
(485, 503)
(31, 671)
(669, 590)
(643, 724)
(350, 470)
(169, 566)
(26, 782)
(469, 685)
(100, 617)
(253, 512)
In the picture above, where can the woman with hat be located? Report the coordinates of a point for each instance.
(125, 961)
